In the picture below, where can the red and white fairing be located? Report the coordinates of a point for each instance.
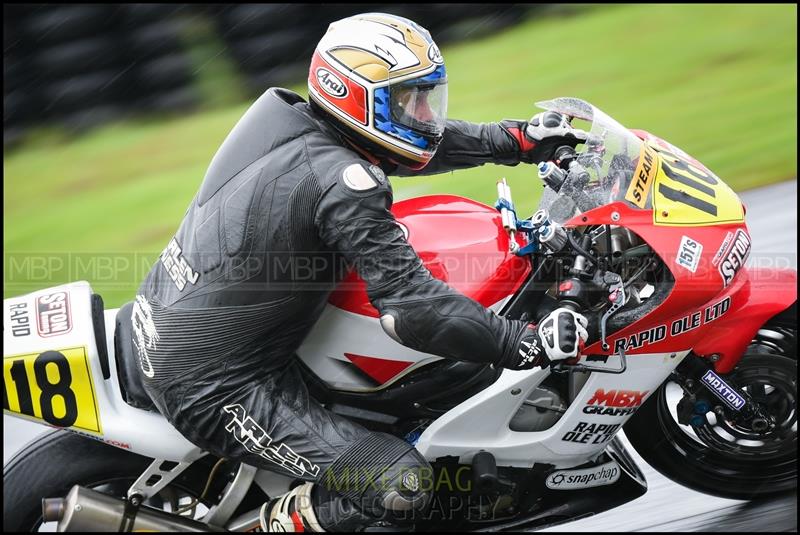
(461, 242)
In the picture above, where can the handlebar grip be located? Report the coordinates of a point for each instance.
(581, 345)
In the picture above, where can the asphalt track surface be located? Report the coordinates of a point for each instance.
(772, 219)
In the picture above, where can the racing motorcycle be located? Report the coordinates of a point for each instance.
(691, 351)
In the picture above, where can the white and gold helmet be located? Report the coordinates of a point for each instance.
(381, 81)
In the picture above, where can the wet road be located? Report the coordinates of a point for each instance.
(772, 218)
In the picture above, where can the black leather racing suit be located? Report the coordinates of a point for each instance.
(220, 315)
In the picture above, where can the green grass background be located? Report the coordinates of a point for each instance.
(719, 81)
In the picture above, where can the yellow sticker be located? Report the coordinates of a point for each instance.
(54, 386)
(687, 194)
(641, 184)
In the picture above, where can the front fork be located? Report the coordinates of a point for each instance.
(705, 391)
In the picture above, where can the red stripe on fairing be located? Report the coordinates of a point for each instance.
(382, 370)
(354, 103)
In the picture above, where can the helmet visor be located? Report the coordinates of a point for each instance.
(421, 107)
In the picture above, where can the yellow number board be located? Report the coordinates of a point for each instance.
(687, 195)
(54, 386)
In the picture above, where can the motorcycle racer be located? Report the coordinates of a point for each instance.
(218, 318)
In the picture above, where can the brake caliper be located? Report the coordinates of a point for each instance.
(697, 379)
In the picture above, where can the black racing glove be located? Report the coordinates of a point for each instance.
(557, 337)
(542, 135)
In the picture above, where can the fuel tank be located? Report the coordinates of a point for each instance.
(461, 242)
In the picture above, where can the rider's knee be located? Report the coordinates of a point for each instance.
(382, 475)
(408, 485)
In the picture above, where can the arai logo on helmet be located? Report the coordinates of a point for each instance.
(330, 83)
(434, 55)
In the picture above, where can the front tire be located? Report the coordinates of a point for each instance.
(723, 458)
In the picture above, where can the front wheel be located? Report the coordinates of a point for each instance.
(723, 457)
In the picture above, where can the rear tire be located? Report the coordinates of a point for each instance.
(50, 465)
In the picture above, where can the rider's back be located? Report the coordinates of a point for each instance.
(246, 275)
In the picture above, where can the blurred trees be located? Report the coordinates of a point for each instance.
(83, 64)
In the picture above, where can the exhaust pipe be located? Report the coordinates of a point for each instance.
(87, 510)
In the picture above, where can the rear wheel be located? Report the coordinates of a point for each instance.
(725, 457)
(50, 465)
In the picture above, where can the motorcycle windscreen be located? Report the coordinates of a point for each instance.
(614, 165)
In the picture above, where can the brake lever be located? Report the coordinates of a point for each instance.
(618, 298)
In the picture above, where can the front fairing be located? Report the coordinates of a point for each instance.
(638, 169)
(689, 217)
(689, 306)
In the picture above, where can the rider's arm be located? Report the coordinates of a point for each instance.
(466, 144)
(416, 309)
(508, 142)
